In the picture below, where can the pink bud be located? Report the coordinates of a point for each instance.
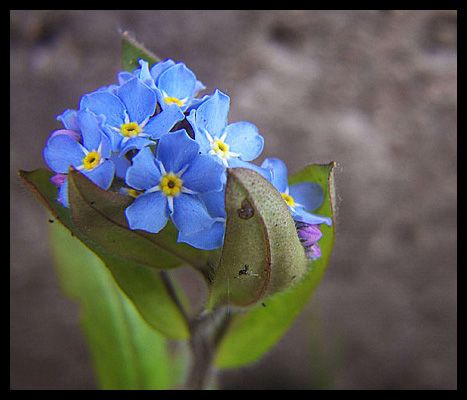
(58, 179)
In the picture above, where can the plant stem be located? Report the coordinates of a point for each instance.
(206, 332)
(172, 293)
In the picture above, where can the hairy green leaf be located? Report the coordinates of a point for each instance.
(262, 253)
(99, 214)
(144, 286)
(132, 51)
(126, 352)
(251, 334)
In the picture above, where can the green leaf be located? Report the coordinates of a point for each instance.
(132, 51)
(126, 352)
(99, 214)
(144, 286)
(262, 254)
(250, 335)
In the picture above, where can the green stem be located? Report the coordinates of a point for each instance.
(206, 332)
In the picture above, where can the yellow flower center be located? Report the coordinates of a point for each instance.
(172, 100)
(220, 148)
(170, 184)
(133, 193)
(91, 160)
(131, 129)
(288, 199)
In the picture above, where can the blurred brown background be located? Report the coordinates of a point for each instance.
(375, 91)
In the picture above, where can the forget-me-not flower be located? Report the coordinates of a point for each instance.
(231, 145)
(130, 113)
(172, 181)
(173, 82)
(301, 197)
(177, 84)
(86, 149)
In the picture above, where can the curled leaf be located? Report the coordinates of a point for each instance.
(251, 334)
(99, 214)
(262, 254)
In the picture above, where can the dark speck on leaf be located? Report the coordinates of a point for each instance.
(246, 211)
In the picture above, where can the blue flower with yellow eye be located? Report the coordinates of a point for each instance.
(173, 181)
(176, 83)
(86, 149)
(231, 145)
(173, 83)
(129, 113)
(301, 198)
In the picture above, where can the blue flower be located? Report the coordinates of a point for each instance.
(177, 84)
(173, 82)
(230, 145)
(300, 198)
(86, 149)
(173, 182)
(130, 113)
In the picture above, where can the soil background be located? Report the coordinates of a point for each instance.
(375, 91)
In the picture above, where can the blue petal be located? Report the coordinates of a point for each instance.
(190, 214)
(143, 173)
(203, 175)
(195, 103)
(200, 135)
(158, 68)
(69, 120)
(211, 115)
(199, 87)
(143, 74)
(301, 215)
(63, 194)
(214, 202)
(243, 138)
(92, 133)
(123, 77)
(102, 175)
(140, 101)
(176, 150)
(278, 173)
(237, 163)
(149, 212)
(163, 122)
(309, 195)
(135, 143)
(208, 239)
(62, 151)
(177, 81)
(115, 138)
(107, 104)
(121, 164)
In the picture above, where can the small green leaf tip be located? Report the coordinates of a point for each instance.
(133, 51)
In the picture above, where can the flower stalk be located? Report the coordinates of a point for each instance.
(206, 332)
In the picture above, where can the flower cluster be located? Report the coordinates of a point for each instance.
(151, 137)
